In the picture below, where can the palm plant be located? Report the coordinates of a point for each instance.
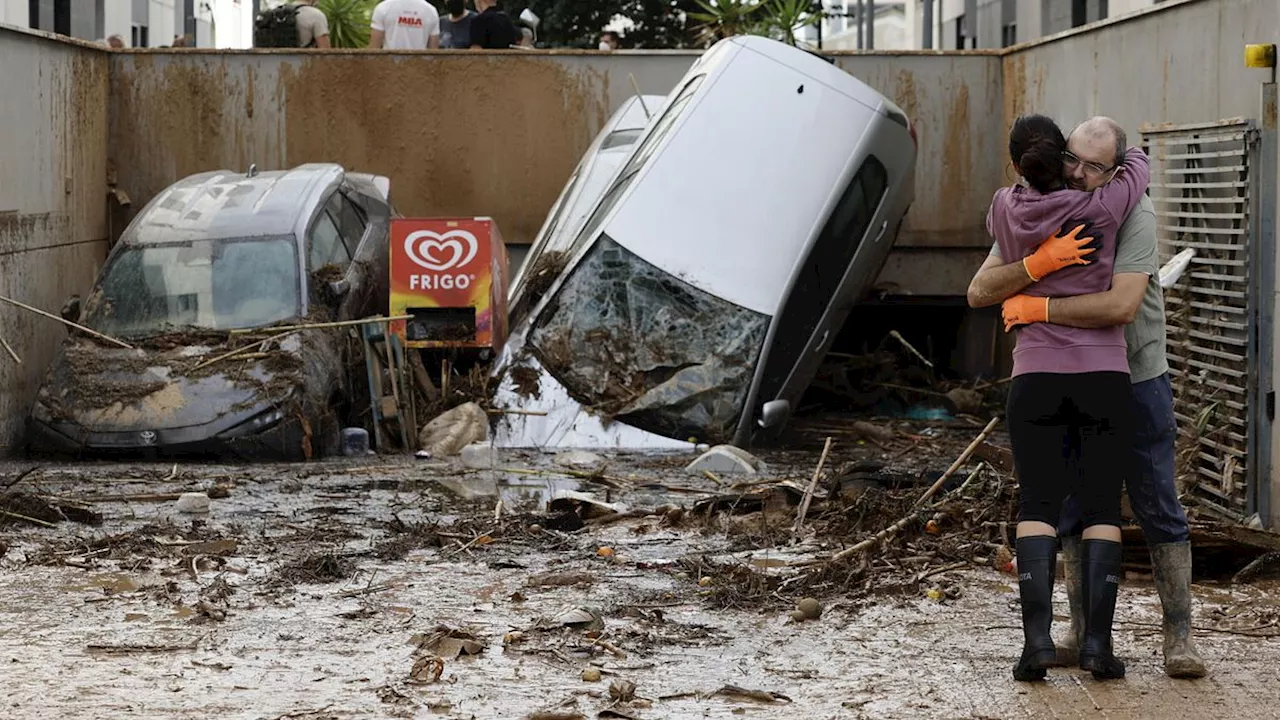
(722, 18)
(348, 21)
(788, 16)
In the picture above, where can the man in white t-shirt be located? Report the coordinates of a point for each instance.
(405, 25)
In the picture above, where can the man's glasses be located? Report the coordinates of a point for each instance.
(1090, 168)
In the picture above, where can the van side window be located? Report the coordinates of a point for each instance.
(822, 271)
(324, 244)
(349, 219)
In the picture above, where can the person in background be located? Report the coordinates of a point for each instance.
(526, 37)
(609, 40)
(179, 41)
(115, 42)
(492, 29)
(313, 25)
(455, 26)
(405, 25)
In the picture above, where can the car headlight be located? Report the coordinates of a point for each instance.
(258, 423)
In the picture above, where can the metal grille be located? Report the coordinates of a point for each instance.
(1200, 185)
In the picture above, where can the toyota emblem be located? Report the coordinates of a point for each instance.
(148, 437)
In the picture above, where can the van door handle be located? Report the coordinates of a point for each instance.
(883, 226)
(822, 343)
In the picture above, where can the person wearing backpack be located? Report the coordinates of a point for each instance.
(294, 24)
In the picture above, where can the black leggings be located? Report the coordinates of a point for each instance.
(1071, 434)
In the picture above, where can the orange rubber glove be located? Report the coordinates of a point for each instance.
(1024, 310)
(1058, 252)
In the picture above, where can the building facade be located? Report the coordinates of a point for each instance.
(973, 24)
(140, 23)
(893, 25)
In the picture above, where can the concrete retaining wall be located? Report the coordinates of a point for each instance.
(464, 133)
(53, 219)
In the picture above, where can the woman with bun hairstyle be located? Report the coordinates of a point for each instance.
(1069, 414)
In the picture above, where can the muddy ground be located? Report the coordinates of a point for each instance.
(400, 588)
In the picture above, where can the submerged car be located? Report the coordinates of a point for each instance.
(590, 179)
(705, 287)
(214, 262)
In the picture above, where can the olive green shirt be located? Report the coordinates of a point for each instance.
(1137, 251)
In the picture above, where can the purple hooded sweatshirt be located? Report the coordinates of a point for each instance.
(1021, 218)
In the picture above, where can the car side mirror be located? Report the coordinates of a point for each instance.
(71, 309)
(338, 289)
(774, 413)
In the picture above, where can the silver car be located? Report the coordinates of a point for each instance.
(213, 254)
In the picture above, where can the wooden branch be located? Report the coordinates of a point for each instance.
(9, 348)
(239, 351)
(67, 322)
(813, 483)
(322, 325)
(964, 457)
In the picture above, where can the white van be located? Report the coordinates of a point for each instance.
(590, 179)
(701, 294)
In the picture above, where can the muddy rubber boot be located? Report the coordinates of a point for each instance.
(1069, 646)
(1172, 564)
(1100, 565)
(1037, 561)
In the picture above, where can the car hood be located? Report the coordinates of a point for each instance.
(104, 389)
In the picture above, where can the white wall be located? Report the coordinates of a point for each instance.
(15, 12)
(892, 33)
(116, 19)
(160, 23)
(232, 24)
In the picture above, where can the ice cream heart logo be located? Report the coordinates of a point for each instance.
(437, 252)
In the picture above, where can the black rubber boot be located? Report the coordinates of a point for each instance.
(1100, 561)
(1172, 563)
(1069, 645)
(1037, 561)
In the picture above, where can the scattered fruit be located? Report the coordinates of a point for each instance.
(704, 581)
(605, 552)
(810, 608)
(591, 675)
(797, 616)
(535, 528)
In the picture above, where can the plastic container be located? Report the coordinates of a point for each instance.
(355, 442)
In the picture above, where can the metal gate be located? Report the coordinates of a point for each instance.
(1205, 197)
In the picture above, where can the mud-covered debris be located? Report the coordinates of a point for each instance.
(318, 568)
(448, 642)
(585, 505)
(560, 579)
(727, 459)
(591, 674)
(193, 503)
(579, 618)
(426, 670)
(580, 460)
(480, 456)
(810, 608)
(224, 547)
(555, 715)
(874, 432)
(765, 696)
(448, 433)
(622, 690)
(29, 508)
(211, 611)
(965, 401)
